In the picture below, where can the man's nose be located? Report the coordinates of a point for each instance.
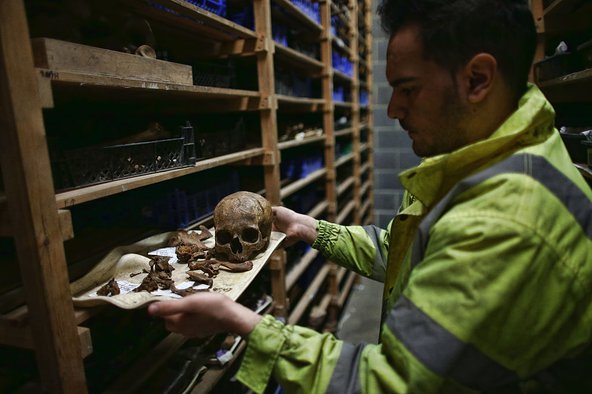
(396, 108)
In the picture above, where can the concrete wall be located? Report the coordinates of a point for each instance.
(392, 146)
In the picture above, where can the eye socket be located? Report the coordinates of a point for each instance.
(250, 235)
(223, 237)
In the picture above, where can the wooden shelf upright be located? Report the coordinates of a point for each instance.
(51, 227)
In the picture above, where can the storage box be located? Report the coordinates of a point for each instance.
(87, 166)
(67, 56)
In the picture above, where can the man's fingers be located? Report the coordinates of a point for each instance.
(166, 308)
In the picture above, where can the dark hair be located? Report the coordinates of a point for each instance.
(453, 31)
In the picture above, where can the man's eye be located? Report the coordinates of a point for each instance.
(406, 91)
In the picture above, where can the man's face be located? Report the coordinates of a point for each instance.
(425, 99)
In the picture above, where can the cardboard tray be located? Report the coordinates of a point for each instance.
(124, 260)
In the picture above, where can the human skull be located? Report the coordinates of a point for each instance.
(243, 226)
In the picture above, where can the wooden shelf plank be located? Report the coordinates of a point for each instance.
(85, 194)
(308, 295)
(564, 16)
(351, 277)
(345, 212)
(318, 209)
(300, 103)
(294, 143)
(303, 61)
(127, 86)
(365, 207)
(569, 88)
(19, 317)
(18, 336)
(193, 18)
(319, 312)
(339, 43)
(573, 78)
(299, 184)
(344, 159)
(300, 16)
(343, 186)
(344, 132)
(299, 268)
(343, 104)
(155, 358)
(342, 76)
(584, 170)
(6, 228)
(365, 187)
(364, 168)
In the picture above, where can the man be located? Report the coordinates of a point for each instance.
(488, 263)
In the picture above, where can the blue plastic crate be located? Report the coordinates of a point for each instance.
(217, 7)
(363, 97)
(280, 33)
(244, 17)
(338, 93)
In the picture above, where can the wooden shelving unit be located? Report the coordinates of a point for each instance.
(41, 224)
(569, 21)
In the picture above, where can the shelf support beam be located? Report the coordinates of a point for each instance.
(33, 212)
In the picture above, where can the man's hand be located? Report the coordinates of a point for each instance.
(296, 226)
(205, 314)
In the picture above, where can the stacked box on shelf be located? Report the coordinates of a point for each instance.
(342, 63)
(334, 22)
(339, 93)
(295, 168)
(291, 84)
(310, 50)
(280, 33)
(224, 136)
(309, 8)
(363, 97)
(343, 149)
(305, 200)
(180, 208)
(98, 164)
(243, 16)
(221, 74)
(217, 7)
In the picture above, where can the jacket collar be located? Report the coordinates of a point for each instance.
(530, 124)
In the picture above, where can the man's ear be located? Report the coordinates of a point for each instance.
(480, 73)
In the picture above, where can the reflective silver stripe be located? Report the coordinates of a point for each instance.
(442, 352)
(538, 168)
(346, 376)
(379, 269)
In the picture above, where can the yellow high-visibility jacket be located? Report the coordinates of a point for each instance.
(488, 278)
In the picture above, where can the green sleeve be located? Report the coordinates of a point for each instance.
(362, 249)
(300, 359)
